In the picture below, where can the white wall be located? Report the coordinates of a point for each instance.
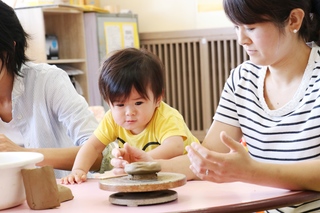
(170, 15)
(214, 19)
(11, 3)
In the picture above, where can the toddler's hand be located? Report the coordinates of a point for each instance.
(76, 176)
(128, 154)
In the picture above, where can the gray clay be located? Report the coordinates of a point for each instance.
(140, 168)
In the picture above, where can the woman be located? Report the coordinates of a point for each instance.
(271, 101)
(40, 110)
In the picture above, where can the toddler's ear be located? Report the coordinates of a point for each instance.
(159, 101)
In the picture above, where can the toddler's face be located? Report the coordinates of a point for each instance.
(134, 113)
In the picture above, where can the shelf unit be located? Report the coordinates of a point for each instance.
(66, 23)
(99, 42)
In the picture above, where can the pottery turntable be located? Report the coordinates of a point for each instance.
(144, 184)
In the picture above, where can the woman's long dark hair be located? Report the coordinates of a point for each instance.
(13, 40)
(277, 12)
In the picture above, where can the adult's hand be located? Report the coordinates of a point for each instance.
(125, 155)
(236, 165)
(6, 145)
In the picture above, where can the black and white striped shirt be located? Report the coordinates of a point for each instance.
(285, 135)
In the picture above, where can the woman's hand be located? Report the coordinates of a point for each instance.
(221, 167)
(6, 145)
(125, 155)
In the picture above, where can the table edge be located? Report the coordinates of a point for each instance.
(295, 197)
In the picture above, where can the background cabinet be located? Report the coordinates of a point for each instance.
(66, 23)
(104, 33)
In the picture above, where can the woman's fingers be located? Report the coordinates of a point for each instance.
(231, 143)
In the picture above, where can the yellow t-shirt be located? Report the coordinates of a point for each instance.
(166, 122)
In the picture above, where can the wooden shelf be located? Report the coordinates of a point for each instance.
(66, 61)
(64, 22)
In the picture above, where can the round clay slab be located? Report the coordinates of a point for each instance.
(143, 198)
(139, 168)
(165, 180)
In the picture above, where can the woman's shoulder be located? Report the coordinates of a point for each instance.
(247, 67)
(246, 71)
(41, 69)
(315, 53)
(45, 76)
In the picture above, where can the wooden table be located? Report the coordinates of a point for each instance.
(195, 196)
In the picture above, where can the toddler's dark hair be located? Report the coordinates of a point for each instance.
(131, 68)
